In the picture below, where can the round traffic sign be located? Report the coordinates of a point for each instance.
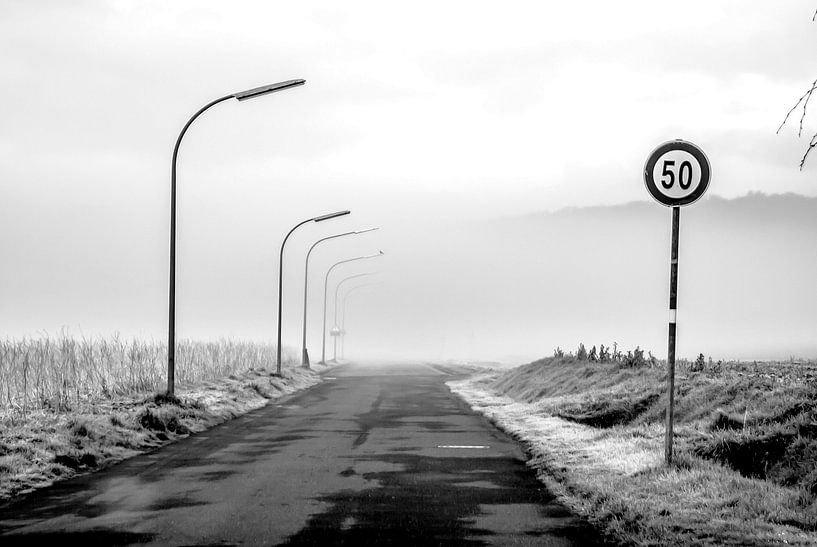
(677, 173)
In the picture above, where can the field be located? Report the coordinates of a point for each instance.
(61, 373)
(745, 469)
(72, 406)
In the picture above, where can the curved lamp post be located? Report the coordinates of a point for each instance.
(281, 275)
(343, 315)
(171, 331)
(325, 289)
(335, 325)
(304, 352)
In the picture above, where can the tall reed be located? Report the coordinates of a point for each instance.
(58, 373)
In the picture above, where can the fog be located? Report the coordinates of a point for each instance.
(500, 155)
(513, 289)
(509, 289)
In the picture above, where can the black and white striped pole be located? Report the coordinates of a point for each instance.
(677, 173)
(673, 315)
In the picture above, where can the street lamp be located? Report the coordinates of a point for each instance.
(281, 274)
(343, 315)
(304, 353)
(171, 331)
(325, 290)
(335, 325)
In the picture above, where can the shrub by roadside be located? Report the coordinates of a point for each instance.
(49, 445)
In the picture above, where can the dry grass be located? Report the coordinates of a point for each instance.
(74, 405)
(63, 373)
(759, 418)
(595, 432)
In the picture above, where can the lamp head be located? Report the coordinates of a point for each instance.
(331, 215)
(266, 89)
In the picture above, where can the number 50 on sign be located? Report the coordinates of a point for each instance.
(677, 173)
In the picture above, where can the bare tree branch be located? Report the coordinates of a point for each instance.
(804, 99)
(811, 146)
(802, 103)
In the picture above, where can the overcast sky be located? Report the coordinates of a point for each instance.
(413, 113)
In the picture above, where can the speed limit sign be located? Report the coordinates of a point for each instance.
(677, 173)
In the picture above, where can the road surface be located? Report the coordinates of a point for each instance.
(372, 456)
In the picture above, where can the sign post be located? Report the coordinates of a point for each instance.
(677, 173)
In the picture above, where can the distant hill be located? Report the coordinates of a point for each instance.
(748, 273)
(754, 206)
(512, 289)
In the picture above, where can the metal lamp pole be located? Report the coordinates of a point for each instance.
(343, 315)
(304, 352)
(337, 290)
(281, 275)
(171, 331)
(325, 290)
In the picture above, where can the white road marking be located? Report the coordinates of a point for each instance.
(463, 446)
(329, 378)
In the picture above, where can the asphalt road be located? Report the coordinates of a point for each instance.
(373, 456)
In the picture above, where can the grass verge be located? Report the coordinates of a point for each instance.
(49, 445)
(595, 436)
